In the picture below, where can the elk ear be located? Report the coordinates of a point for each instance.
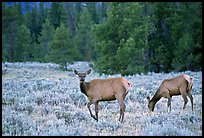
(88, 71)
(76, 72)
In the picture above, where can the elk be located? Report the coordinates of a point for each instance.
(104, 90)
(180, 85)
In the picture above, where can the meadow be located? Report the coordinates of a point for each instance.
(40, 99)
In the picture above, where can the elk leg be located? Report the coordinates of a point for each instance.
(166, 94)
(96, 110)
(169, 103)
(191, 97)
(89, 104)
(122, 110)
(183, 93)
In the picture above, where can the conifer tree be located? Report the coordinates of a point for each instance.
(23, 48)
(44, 39)
(61, 49)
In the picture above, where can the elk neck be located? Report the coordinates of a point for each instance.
(84, 87)
(155, 98)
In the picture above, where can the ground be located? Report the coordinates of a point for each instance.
(40, 99)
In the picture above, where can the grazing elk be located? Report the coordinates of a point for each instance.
(180, 85)
(104, 90)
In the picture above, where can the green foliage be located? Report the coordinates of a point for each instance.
(68, 16)
(41, 17)
(91, 7)
(11, 21)
(123, 37)
(84, 36)
(188, 34)
(184, 58)
(61, 49)
(55, 14)
(4, 46)
(23, 45)
(173, 43)
(44, 40)
(34, 26)
(120, 37)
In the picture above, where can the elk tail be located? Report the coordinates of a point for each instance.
(128, 85)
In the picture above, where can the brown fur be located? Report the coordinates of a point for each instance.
(104, 90)
(180, 85)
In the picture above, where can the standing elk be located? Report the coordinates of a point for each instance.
(104, 90)
(180, 85)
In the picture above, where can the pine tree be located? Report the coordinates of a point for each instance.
(23, 48)
(62, 50)
(91, 6)
(41, 17)
(44, 39)
(34, 27)
(69, 16)
(160, 43)
(19, 12)
(101, 8)
(11, 20)
(187, 35)
(84, 37)
(4, 49)
(27, 15)
(123, 35)
(55, 14)
(78, 10)
(107, 40)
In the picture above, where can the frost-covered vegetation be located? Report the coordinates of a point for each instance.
(40, 99)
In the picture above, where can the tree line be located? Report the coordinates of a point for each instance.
(118, 37)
